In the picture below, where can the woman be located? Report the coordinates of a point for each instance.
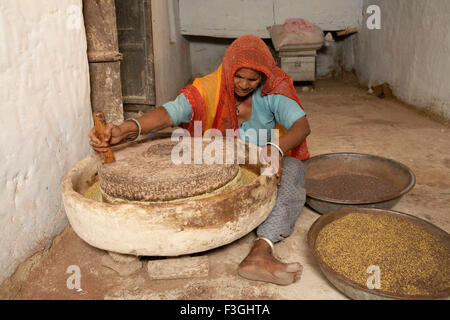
(247, 91)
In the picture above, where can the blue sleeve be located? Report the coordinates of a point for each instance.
(285, 110)
(180, 110)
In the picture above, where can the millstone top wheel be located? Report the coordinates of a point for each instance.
(146, 172)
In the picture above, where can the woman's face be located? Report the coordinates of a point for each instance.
(245, 81)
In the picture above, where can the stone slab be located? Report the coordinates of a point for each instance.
(148, 172)
(178, 268)
(122, 268)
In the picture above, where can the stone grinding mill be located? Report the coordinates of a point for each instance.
(150, 206)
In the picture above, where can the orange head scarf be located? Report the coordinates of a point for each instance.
(245, 52)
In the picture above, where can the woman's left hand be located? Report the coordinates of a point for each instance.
(273, 161)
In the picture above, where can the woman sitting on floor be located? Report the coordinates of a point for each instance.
(247, 91)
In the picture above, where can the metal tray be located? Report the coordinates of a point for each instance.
(355, 290)
(331, 164)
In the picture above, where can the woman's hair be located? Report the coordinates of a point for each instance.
(263, 78)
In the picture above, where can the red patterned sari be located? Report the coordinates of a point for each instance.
(212, 96)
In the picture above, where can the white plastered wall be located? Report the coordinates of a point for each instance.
(410, 52)
(45, 115)
(170, 50)
(203, 20)
(235, 18)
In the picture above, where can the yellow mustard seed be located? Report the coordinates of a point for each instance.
(411, 261)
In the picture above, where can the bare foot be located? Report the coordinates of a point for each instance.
(261, 265)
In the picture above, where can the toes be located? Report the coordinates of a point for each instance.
(297, 276)
(283, 278)
(284, 274)
(294, 267)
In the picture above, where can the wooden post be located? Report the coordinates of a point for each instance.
(104, 58)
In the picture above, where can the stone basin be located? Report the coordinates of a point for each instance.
(165, 228)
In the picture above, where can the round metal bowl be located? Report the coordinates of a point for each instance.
(352, 289)
(333, 164)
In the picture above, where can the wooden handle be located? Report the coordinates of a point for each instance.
(100, 124)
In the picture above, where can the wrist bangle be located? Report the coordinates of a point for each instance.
(277, 147)
(139, 129)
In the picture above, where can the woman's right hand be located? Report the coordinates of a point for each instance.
(113, 135)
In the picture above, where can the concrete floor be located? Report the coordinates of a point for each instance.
(343, 118)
